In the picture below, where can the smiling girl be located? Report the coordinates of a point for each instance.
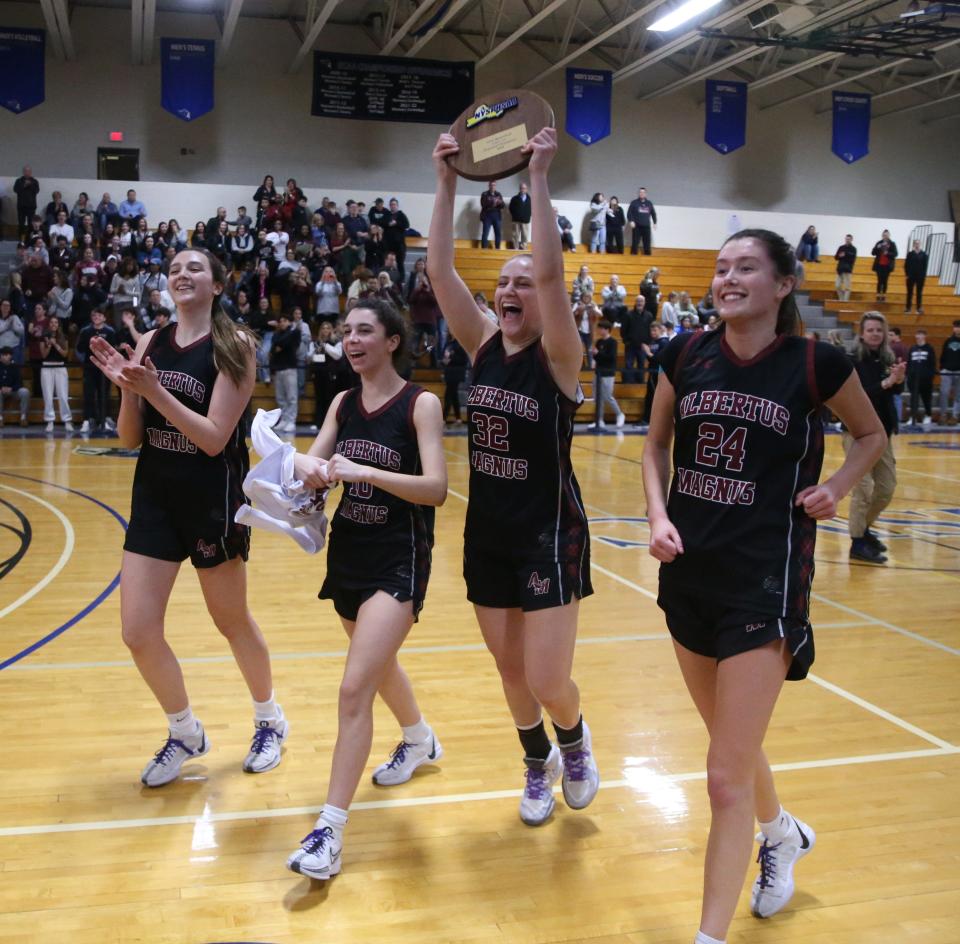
(184, 392)
(525, 578)
(736, 540)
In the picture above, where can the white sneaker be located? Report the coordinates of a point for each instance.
(85, 426)
(927, 421)
(48, 428)
(405, 759)
(581, 778)
(537, 803)
(109, 425)
(621, 419)
(289, 428)
(773, 887)
(314, 428)
(318, 856)
(167, 762)
(265, 748)
(68, 426)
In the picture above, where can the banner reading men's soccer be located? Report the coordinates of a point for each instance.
(22, 76)
(851, 126)
(186, 77)
(589, 93)
(726, 124)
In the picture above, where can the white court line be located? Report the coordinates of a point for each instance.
(437, 800)
(58, 566)
(923, 475)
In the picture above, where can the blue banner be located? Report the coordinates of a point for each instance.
(588, 104)
(726, 105)
(851, 126)
(186, 77)
(22, 76)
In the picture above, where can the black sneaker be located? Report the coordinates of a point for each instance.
(871, 538)
(862, 550)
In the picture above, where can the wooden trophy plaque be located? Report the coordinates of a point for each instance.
(492, 131)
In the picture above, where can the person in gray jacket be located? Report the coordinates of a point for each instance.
(11, 331)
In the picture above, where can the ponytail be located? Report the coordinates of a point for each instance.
(231, 347)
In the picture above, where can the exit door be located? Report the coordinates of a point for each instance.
(118, 163)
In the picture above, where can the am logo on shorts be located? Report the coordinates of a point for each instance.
(540, 586)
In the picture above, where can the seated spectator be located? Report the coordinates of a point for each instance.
(157, 301)
(706, 308)
(107, 236)
(62, 257)
(267, 212)
(614, 299)
(148, 254)
(36, 230)
(81, 208)
(390, 266)
(240, 309)
(12, 331)
(61, 228)
(586, 315)
(243, 218)
(298, 292)
(177, 238)
(213, 224)
(86, 241)
(582, 283)
(650, 290)
(359, 283)
(54, 208)
(218, 242)
(713, 322)
(685, 307)
(107, 213)
(11, 383)
(84, 229)
(565, 229)
(153, 280)
(131, 209)
(126, 238)
(198, 239)
(161, 238)
(808, 248)
(327, 292)
(37, 279)
(241, 247)
(485, 309)
(686, 325)
(387, 290)
(124, 289)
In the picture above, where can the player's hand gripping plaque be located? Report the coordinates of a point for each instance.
(492, 131)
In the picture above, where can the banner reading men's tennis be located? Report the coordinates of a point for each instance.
(22, 76)
(186, 77)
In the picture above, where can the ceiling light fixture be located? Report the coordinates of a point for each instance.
(682, 14)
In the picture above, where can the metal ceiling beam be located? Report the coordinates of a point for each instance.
(231, 16)
(149, 22)
(405, 28)
(933, 101)
(548, 10)
(599, 38)
(316, 28)
(903, 88)
(568, 29)
(494, 24)
(454, 9)
(53, 28)
(136, 29)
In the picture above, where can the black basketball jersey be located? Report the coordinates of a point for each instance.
(524, 495)
(166, 454)
(374, 532)
(748, 439)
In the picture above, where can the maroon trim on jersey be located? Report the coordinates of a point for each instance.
(739, 362)
(682, 356)
(484, 348)
(812, 372)
(189, 347)
(151, 343)
(512, 357)
(545, 362)
(352, 392)
(382, 409)
(413, 400)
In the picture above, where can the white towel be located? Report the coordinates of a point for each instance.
(283, 503)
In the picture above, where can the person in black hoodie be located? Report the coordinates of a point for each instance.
(884, 258)
(455, 363)
(635, 331)
(915, 269)
(520, 216)
(96, 387)
(921, 369)
(879, 374)
(615, 224)
(950, 376)
(283, 365)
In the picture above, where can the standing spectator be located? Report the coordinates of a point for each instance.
(585, 316)
(669, 315)
(635, 331)
(88, 295)
(53, 375)
(949, 376)
(598, 223)
(96, 387)
(921, 369)
(132, 209)
(565, 231)
(424, 312)
(11, 385)
(915, 269)
(326, 357)
(36, 329)
(583, 282)
(520, 211)
(279, 239)
(266, 191)
(297, 323)
(884, 258)
(292, 196)
(283, 366)
(846, 257)
(900, 355)
(27, 188)
(378, 214)
(641, 214)
(455, 363)
(125, 289)
(605, 362)
(658, 342)
(650, 290)
(491, 213)
(213, 224)
(374, 249)
(879, 373)
(484, 308)
(328, 291)
(614, 294)
(37, 279)
(60, 298)
(808, 248)
(357, 227)
(11, 330)
(107, 213)
(615, 224)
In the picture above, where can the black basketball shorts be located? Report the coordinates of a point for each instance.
(718, 631)
(173, 523)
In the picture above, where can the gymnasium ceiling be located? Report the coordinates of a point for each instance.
(770, 52)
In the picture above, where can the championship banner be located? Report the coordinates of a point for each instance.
(726, 125)
(22, 76)
(388, 88)
(851, 126)
(588, 104)
(186, 77)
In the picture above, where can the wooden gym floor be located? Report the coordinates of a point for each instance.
(866, 749)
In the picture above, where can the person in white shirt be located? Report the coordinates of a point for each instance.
(61, 228)
(670, 315)
(279, 240)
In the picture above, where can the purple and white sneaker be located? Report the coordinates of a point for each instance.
(537, 803)
(581, 778)
(265, 748)
(405, 759)
(167, 762)
(319, 854)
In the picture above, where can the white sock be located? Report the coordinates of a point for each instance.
(267, 710)
(778, 828)
(333, 817)
(702, 938)
(183, 724)
(417, 733)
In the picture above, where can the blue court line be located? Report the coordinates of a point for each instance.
(90, 607)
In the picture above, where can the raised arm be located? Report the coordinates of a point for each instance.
(561, 340)
(466, 322)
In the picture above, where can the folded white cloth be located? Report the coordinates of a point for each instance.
(283, 503)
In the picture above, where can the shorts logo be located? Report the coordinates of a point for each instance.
(753, 627)
(539, 586)
(208, 550)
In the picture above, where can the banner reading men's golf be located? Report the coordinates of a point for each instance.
(22, 76)
(851, 126)
(186, 77)
(726, 107)
(588, 104)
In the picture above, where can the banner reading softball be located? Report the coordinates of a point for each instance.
(22, 76)
(186, 77)
(851, 126)
(588, 104)
(726, 125)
